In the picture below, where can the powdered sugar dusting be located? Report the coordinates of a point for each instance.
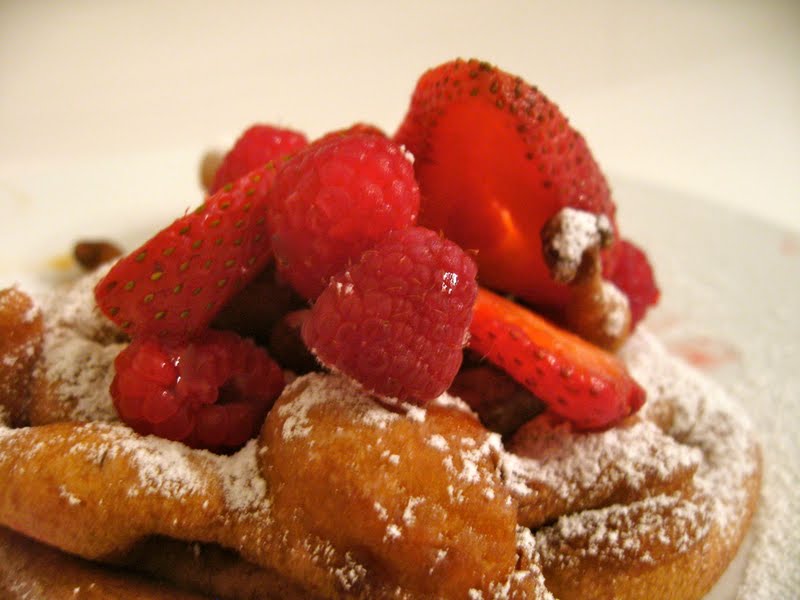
(616, 318)
(315, 389)
(572, 233)
(163, 467)
(80, 345)
(572, 464)
(704, 421)
(245, 488)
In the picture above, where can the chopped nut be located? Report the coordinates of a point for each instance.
(90, 254)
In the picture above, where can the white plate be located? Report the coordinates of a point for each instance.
(730, 304)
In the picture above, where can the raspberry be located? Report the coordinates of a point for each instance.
(355, 128)
(632, 273)
(212, 392)
(397, 321)
(334, 200)
(257, 146)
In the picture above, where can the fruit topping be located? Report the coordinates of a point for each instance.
(378, 234)
(495, 160)
(577, 380)
(366, 128)
(397, 320)
(257, 146)
(334, 200)
(211, 392)
(176, 282)
(632, 273)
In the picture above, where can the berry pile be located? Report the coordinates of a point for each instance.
(210, 392)
(360, 252)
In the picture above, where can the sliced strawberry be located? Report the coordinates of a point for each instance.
(176, 282)
(495, 159)
(577, 380)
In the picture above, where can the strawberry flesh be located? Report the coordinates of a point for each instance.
(577, 380)
(495, 159)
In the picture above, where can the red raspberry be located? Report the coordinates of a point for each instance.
(355, 128)
(397, 321)
(334, 200)
(632, 273)
(256, 147)
(212, 392)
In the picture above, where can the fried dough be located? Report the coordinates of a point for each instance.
(31, 570)
(345, 496)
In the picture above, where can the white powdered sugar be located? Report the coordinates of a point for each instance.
(615, 319)
(316, 389)
(80, 345)
(705, 421)
(163, 467)
(705, 418)
(245, 488)
(570, 464)
(574, 232)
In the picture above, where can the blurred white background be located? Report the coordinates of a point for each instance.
(697, 96)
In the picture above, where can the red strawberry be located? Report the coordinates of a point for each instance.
(257, 146)
(334, 200)
(396, 321)
(177, 281)
(631, 272)
(495, 159)
(577, 380)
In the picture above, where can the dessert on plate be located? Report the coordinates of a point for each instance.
(371, 366)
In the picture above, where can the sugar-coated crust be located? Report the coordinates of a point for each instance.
(343, 496)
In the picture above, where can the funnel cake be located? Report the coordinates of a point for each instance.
(345, 496)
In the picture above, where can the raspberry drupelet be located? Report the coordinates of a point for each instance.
(211, 392)
(335, 199)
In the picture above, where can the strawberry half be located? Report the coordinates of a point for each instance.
(576, 379)
(175, 283)
(495, 159)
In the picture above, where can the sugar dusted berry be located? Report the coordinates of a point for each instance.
(334, 200)
(575, 379)
(257, 146)
(397, 321)
(495, 159)
(212, 392)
